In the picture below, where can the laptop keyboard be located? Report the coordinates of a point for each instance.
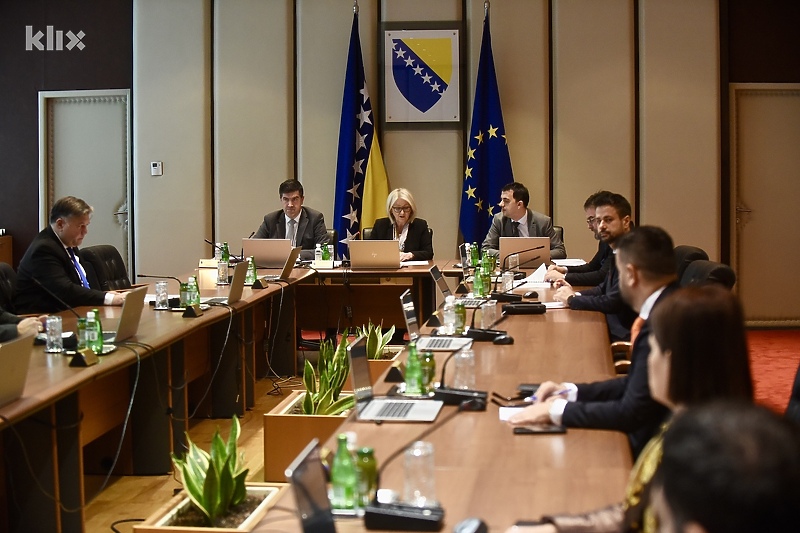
(471, 303)
(436, 342)
(395, 410)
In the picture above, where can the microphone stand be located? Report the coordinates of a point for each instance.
(455, 396)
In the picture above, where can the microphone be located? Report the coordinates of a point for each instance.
(479, 334)
(232, 259)
(159, 277)
(56, 297)
(452, 396)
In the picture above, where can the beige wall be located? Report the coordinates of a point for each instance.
(255, 86)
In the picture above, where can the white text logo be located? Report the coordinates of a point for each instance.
(54, 39)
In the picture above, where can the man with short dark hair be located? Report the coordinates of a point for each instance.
(51, 271)
(304, 226)
(728, 468)
(594, 272)
(516, 220)
(646, 264)
(613, 219)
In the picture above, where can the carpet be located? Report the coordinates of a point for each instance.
(774, 358)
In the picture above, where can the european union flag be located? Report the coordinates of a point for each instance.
(361, 181)
(488, 165)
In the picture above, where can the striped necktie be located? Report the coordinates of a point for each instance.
(84, 282)
(293, 231)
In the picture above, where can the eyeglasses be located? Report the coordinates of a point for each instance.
(591, 220)
(398, 210)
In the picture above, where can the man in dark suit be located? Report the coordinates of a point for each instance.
(646, 264)
(304, 226)
(51, 272)
(594, 272)
(613, 215)
(516, 220)
(13, 326)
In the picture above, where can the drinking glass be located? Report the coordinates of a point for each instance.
(162, 295)
(55, 343)
(420, 479)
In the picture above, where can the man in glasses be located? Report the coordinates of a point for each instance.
(516, 220)
(304, 226)
(594, 272)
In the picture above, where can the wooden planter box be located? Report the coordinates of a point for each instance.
(285, 434)
(378, 366)
(159, 521)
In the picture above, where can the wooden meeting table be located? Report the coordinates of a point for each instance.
(483, 469)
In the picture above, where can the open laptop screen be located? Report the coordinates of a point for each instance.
(409, 314)
(307, 477)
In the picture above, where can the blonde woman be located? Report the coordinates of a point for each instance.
(403, 225)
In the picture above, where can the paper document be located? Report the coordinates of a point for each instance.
(507, 412)
(538, 275)
(555, 305)
(569, 262)
(413, 263)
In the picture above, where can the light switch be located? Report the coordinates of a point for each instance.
(156, 168)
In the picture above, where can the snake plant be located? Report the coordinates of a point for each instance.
(215, 482)
(324, 386)
(375, 341)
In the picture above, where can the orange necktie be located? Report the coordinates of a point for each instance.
(636, 327)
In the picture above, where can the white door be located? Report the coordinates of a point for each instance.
(84, 151)
(765, 188)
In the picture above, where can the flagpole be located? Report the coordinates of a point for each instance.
(355, 7)
(486, 9)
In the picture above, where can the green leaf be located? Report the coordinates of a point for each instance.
(342, 404)
(233, 438)
(326, 398)
(211, 493)
(226, 487)
(219, 452)
(239, 488)
(309, 378)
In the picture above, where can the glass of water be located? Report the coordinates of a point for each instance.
(55, 343)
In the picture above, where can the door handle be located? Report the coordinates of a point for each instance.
(743, 210)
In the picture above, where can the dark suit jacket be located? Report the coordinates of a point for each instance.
(48, 262)
(623, 403)
(311, 229)
(418, 239)
(594, 272)
(8, 325)
(539, 225)
(607, 299)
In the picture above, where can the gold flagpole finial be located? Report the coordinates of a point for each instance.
(486, 8)
(355, 7)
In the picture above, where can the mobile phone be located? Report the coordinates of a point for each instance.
(528, 389)
(539, 430)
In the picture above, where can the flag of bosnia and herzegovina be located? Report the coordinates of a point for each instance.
(422, 69)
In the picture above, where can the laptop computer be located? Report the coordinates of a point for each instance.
(267, 253)
(533, 251)
(288, 266)
(237, 286)
(15, 358)
(371, 408)
(307, 478)
(373, 254)
(436, 344)
(441, 284)
(129, 320)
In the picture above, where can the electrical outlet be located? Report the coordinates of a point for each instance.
(348, 311)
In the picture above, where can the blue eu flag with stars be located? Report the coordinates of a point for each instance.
(488, 165)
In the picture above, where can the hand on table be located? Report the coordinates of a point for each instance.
(406, 256)
(563, 292)
(30, 325)
(119, 298)
(537, 413)
(547, 390)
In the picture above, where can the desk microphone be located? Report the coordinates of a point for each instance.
(232, 259)
(479, 334)
(159, 277)
(56, 297)
(452, 396)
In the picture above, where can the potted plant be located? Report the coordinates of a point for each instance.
(380, 354)
(315, 412)
(216, 496)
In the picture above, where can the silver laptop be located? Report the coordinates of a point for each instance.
(237, 287)
(288, 266)
(441, 284)
(435, 344)
(130, 317)
(533, 251)
(370, 407)
(373, 254)
(307, 477)
(267, 253)
(15, 358)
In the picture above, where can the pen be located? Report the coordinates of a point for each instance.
(557, 393)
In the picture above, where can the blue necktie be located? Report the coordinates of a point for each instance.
(84, 282)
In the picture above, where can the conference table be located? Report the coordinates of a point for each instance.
(483, 469)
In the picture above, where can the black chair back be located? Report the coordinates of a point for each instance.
(793, 409)
(8, 285)
(104, 263)
(701, 272)
(366, 233)
(559, 230)
(685, 254)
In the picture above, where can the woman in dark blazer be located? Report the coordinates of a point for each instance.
(403, 225)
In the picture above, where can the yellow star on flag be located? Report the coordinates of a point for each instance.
(468, 173)
(470, 192)
(479, 136)
(470, 153)
(479, 204)
(492, 131)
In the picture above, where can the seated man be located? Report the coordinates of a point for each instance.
(304, 226)
(594, 272)
(646, 263)
(728, 468)
(13, 326)
(613, 216)
(50, 275)
(516, 220)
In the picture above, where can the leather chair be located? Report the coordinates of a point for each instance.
(793, 409)
(8, 285)
(366, 233)
(685, 254)
(559, 231)
(701, 272)
(105, 269)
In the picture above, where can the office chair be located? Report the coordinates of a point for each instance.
(105, 269)
(559, 231)
(8, 285)
(793, 409)
(366, 233)
(701, 272)
(685, 254)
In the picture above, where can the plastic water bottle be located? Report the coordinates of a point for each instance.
(474, 254)
(477, 282)
(367, 475)
(326, 252)
(344, 477)
(222, 265)
(94, 333)
(318, 253)
(252, 274)
(194, 291)
(449, 315)
(461, 318)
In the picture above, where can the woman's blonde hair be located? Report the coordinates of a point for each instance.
(401, 194)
